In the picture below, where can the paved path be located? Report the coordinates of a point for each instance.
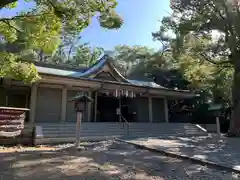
(106, 160)
(221, 151)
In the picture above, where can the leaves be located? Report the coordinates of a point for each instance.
(113, 21)
(86, 56)
(44, 27)
(77, 56)
(12, 5)
(129, 58)
(200, 58)
(7, 31)
(12, 68)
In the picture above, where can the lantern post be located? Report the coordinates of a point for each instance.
(80, 103)
(216, 109)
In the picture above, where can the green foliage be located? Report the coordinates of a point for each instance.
(41, 30)
(128, 58)
(12, 5)
(204, 17)
(13, 68)
(10, 34)
(77, 56)
(85, 56)
(202, 58)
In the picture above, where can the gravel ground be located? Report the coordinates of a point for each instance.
(106, 160)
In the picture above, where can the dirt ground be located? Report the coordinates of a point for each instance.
(106, 160)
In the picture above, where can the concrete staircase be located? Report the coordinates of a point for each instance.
(164, 129)
(65, 132)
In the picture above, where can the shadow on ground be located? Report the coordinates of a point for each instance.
(224, 151)
(103, 160)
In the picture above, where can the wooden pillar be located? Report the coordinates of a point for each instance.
(120, 109)
(33, 103)
(150, 112)
(6, 100)
(78, 127)
(166, 110)
(95, 107)
(89, 108)
(64, 104)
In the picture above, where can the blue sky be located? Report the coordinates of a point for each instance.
(141, 18)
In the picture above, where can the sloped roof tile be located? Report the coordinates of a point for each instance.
(82, 73)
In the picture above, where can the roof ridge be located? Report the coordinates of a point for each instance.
(59, 66)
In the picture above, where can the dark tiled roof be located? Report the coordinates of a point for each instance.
(59, 70)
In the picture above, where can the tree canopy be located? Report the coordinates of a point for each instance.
(44, 27)
(214, 25)
(78, 55)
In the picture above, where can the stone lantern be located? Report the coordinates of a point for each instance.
(216, 110)
(80, 104)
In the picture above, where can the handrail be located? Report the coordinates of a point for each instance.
(125, 120)
(128, 125)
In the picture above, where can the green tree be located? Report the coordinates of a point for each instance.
(41, 28)
(76, 55)
(214, 25)
(144, 63)
(85, 56)
(128, 58)
(203, 74)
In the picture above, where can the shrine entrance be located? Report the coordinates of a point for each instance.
(107, 108)
(114, 109)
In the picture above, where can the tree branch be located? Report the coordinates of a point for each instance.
(4, 3)
(208, 59)
(22, 17)
(13, 18)
(217, 11)
(215, 50)
(11, 26)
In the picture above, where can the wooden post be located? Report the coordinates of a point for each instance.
(78, 126)
(89, 108)
(6, 100)
(33, 103)
(120, 107)
(150, 109)
(64, 104)
(218, 126)
(166, 110)
(95, 107)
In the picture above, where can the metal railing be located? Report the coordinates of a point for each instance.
(125, 122)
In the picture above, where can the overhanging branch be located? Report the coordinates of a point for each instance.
(22, 16)
(219, 63)
(11, 26)
(14, 18)
(4, 3)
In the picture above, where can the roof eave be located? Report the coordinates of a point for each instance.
(148, 88)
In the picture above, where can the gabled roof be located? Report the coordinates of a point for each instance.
(104, 64)
(59, 70)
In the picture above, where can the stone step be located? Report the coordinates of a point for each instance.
(81, 135)
(57, 140)
(82, 129)
(82, 132)
(133, 131)
(140, 133)
(65, 132)
(74, 124)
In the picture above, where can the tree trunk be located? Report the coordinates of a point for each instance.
(234, 129)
